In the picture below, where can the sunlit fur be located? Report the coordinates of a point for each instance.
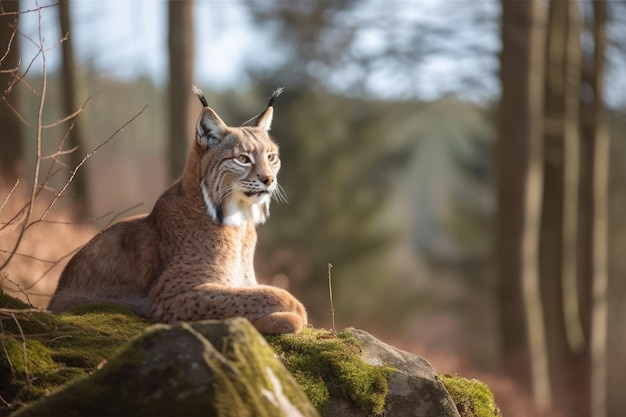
(192, 257)
(234, 193)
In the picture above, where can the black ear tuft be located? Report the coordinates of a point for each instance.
(200, 95)
(275, 94)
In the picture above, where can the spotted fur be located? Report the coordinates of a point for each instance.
(191, 258)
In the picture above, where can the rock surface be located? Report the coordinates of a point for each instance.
(212, 368)
(415, 389)
(200, 369)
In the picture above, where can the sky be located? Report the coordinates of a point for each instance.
(128, 38)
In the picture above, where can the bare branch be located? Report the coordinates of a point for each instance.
(18, 114)
(89, 155)
(119, 214)
(38, 9)
(42, 100)
(59, 153)
(13, 223)
(9, 44)
(19, 289)
(70, 117)
(23, 255)
(6, 200)
(22, 310)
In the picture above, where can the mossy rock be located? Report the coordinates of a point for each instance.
(42, 351)
(472, 397)
(212, 368)
(330, 366)
(348, 374)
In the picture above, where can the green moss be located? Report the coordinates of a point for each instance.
(472, 398)
(40, 351)
(326, 365)
(253, 372)
(178, 370)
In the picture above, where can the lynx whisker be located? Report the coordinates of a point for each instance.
(279, 194)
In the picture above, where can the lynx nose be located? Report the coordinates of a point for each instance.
(267, 180)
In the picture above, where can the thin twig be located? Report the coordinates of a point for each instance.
(37, 9)
(71, 116)
(42, 101)
(23, 255)
(22, 310)
(55, 160)
(330, 294)
(52, 266)
(10, 42)
(13, 223)
(89, 155)
(6, 200)
(67, 255)
(119, 214)
(5, 277)
(17, 114)
(56, 154)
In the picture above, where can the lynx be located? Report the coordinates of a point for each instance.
(191, 258)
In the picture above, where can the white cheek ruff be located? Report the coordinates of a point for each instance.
(236, 211)
(207, 200)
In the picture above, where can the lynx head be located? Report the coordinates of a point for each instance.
(238, 166)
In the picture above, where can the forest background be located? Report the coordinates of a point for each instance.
(460, 165)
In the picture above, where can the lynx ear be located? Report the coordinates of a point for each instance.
(264, 120)
(210, 128)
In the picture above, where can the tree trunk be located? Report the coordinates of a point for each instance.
(594, 219)
(75, 137)
(559, 226)
(181, 45)
(10, 134)
(519, 192)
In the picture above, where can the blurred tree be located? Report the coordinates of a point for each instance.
(10, 134)
(341, 161)
(559, 216)
(75, 136)
(519, 174)
(594, 211)
(181, 59)
(310, 35)
(385, 49)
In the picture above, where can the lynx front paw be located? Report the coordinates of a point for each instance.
(282, 300)
(279, 323)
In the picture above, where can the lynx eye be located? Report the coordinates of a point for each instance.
(243, 159)
(272, 158)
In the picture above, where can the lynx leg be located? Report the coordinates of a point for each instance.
(270, 309)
